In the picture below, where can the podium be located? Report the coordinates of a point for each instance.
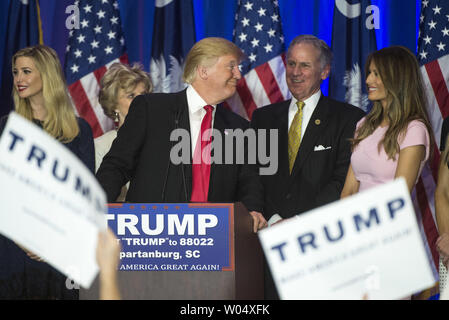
(244, 282)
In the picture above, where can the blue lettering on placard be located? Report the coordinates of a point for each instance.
(84, 190)
(38, 157)
(394, 206)
(279, 248)
(38, 154)
(340, 228)
(308, 240)
(62, 178)
(372, 215)
(16, 138)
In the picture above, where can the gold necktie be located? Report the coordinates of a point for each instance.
(294, 135)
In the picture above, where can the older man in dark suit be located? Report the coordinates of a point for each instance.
(141, 152)
(314, 133)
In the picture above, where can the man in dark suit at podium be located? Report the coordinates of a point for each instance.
(314, 150)
(141, 153)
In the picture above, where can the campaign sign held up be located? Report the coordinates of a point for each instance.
(365, 245)
(174, 237)
(50, 203)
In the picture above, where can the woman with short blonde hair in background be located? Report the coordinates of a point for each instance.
(118, 87)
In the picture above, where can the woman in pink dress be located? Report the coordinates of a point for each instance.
(394, 139)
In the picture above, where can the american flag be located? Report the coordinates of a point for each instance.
(22, 30)
(352, 41)
(91, 49)
(258, 33)
(173, 36)
(433, 55)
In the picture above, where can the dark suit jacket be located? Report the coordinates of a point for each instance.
(141, 154)
(318, 176)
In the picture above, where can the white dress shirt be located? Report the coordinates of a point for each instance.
(307, 111)
(196, 114)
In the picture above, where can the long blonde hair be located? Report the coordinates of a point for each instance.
(60, 121)
(399, 71)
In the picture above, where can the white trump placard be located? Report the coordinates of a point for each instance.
(50, 203)
(364, 246)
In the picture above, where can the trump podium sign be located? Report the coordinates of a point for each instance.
(368, 245)
(174, 237)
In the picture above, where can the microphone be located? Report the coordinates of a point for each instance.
(177, 114)
(184, 184)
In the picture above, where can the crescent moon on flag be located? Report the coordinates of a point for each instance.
(162, 3)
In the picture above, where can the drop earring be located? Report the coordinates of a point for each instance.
(116, 120)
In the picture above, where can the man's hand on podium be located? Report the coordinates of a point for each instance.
(259, 221)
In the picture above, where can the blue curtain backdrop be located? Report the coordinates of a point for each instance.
(398, 22)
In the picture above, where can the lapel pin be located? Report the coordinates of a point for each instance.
(317, 121)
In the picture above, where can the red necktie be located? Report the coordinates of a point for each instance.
(201, 160)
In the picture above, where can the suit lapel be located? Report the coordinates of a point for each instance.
(316, 126)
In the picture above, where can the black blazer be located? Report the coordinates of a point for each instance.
(141, 154)
(318, 175)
